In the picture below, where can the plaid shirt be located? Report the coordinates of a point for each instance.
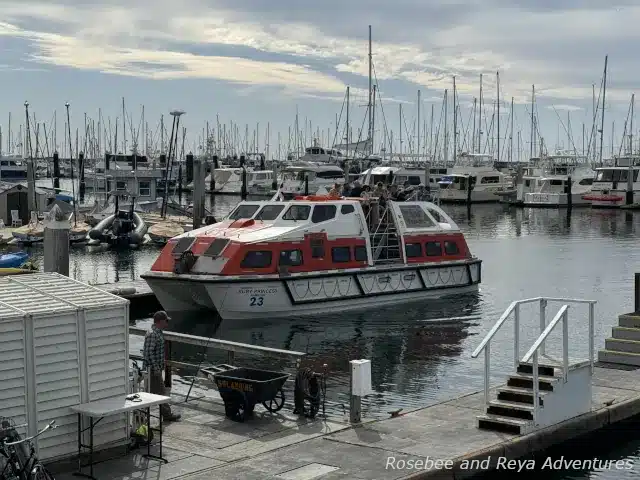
(153, 351)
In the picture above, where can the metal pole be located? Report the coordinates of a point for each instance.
(565, 344)
(516, 335)
(536, 388)
(543, 321)
(592, 308)
(487, 372)
(637, 293)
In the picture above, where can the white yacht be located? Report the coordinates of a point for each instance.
(399, 175)
(12, 167)
(228, 180)
(293, 178)
(474, 175)
(551, 188)
(610, 184)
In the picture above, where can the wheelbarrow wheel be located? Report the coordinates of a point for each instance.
(276, 403)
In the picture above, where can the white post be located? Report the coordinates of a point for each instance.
(543, 321)
(56, 242)
(516, 335)
(591, 334)
(565, 344)
(487, 357)
(536, 388)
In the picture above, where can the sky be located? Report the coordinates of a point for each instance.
(257, 63)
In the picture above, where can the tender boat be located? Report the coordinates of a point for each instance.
(125, 228)
(160, 233)
(312, 255)
(294, 179)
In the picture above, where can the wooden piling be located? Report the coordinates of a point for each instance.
(198, 192)
(56, 242)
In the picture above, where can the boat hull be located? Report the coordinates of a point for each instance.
(554, 200)
(237, 298)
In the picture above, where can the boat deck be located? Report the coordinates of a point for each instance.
(206, 445)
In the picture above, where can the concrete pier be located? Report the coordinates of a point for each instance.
(206, 445)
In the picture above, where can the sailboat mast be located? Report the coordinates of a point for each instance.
(400, 123)
(511, 135)
(604, 93)
(533, 99)
(370, 107)
(498, 119)
(633, 97)
(418, 123)
(446, 126)
(124, 129)
(455, 122)
(480, 118)
(348, 140)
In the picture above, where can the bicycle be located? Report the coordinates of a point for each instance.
(21, 462)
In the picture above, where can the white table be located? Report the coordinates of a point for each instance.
(113, 406)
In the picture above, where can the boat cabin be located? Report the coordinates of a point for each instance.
(315, 233)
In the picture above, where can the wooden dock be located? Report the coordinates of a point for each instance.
(205, 444)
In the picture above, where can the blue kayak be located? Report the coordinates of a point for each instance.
(13, 260)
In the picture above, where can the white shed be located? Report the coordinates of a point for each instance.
(62, 343)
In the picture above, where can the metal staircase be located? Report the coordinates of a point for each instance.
(385, 243)
(544, 390)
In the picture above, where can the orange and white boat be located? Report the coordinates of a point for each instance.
(313, 255)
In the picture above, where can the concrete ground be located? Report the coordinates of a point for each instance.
(206, 445)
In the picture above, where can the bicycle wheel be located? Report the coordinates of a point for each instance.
(41, 473)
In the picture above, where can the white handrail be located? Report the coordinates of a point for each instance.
(514, 307)
(563, 314)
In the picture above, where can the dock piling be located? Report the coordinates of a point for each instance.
(56, 242)
(198, 192)
(56, 170)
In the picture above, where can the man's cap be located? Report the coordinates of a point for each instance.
(161, 315)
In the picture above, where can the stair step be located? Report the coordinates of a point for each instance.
(520, 395)
(622, 345)
(525, 380)
(624, 358)
(543, 369)
(626, 333)
(510, 409)
(502, 424)
(629, 320)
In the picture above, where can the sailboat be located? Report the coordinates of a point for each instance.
(32, 232)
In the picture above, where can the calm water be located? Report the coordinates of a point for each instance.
(416, 361)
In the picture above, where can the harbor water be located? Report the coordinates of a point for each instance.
(418, 357)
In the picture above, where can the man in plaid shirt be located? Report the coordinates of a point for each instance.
(153, 353)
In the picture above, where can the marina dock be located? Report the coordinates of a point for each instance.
(205, 444)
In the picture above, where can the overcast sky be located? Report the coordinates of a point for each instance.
(255, 61)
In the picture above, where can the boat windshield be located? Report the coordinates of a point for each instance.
(269, 212)
(244, 211)
(297, 175)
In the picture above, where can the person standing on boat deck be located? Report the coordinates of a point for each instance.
(356, 190)
(335, 191)
(154, 361)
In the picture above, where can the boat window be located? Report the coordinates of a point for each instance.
(330, 174)
(317, 248)
(290, 258)
(322, 213)
(451, 248)
(490, 180)
(360, 253)
(216, 247)
(556, 182)
(414, 180)
(527, 183)
(586, 181)
(121, 186)
(4, 163)
(269, 212)
(347, 209)
(413, 250)
(297, 212)
(623, 176)
(257, 259)
(415, 217)
(144, 188)
(244, 211)
(433, 249)
(341, 254)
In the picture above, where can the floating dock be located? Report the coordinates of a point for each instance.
(143, 302)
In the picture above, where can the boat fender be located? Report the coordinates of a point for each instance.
(137, 235)
(185, 263)
(97, 232)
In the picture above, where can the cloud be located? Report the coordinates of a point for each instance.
(566, 108)
(312, 51)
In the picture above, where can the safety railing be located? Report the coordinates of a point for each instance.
(514, 308)
(563, 314)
